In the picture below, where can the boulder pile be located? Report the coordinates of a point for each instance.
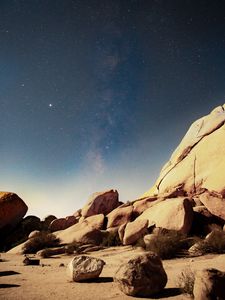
(188, 197)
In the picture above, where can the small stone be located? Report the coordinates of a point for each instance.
(61, 265)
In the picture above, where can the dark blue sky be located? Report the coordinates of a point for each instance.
(96, 94)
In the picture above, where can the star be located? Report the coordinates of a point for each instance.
(50, 105)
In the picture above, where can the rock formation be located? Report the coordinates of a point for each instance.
(198, 164)
(209, 284)
(62, 223)
(134, 230)
(84, 267)
(173, 214)
(120, 215)
(141, 276)
(101, 203)
(12, 210)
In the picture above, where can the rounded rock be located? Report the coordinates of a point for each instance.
(84, 267)
(141, 276)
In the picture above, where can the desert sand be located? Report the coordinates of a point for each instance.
(50, 281)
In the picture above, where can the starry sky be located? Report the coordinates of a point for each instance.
(97, 94)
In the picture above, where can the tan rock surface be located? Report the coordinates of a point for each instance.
(209, 284)
(84, 231)
(83, 267)
(96, 222)
(141, 276)
(173, 214)
(120, 215)
(83, 235)
(199, 160)
(214, 203)
(62, 223)
(134, 230)
(12, 209)
(101, 203)
(142, 204)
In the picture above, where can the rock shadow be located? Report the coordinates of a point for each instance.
(8, 273)
(168, 292)
(8, 285)
(99, 280)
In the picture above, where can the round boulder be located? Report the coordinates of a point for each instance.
(34, 234)
(47, 221)
(101, 203)
(12, 209)
(209, 284)
(84, 267)
(141, 276)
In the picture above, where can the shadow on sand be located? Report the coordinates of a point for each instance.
(6, 285)
(8, 273)
(99, 280)
(168, 292)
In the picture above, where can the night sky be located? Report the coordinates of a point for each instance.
(97, 94)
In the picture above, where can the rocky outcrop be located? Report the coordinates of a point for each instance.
(101, 203)
(134, 230)
(62, 223)
(47, 221)
(214, 202)
(142, 276)
(209, 284)
(34, 234)
(84, 267)
(120, 215)
(198, 163)
(12, 210)
(142, 204)
(173, 214)
(80, 233)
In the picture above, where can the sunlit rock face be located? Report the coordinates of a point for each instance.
(198, 163)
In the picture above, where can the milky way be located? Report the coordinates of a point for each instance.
(96, 94)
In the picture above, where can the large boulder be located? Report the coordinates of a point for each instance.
(142, 204)
(141, 276)
(57, 224)
(173, 214)
(134, 230)
(198, 163)
(96, 222)
(209, 284)
(47, 221)
(101, 203)
(83, 233)
(214, 202)
(120, 215)
(12, 210)
(84, 267)
(62, 223)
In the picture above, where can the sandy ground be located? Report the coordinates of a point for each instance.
(50, 281)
